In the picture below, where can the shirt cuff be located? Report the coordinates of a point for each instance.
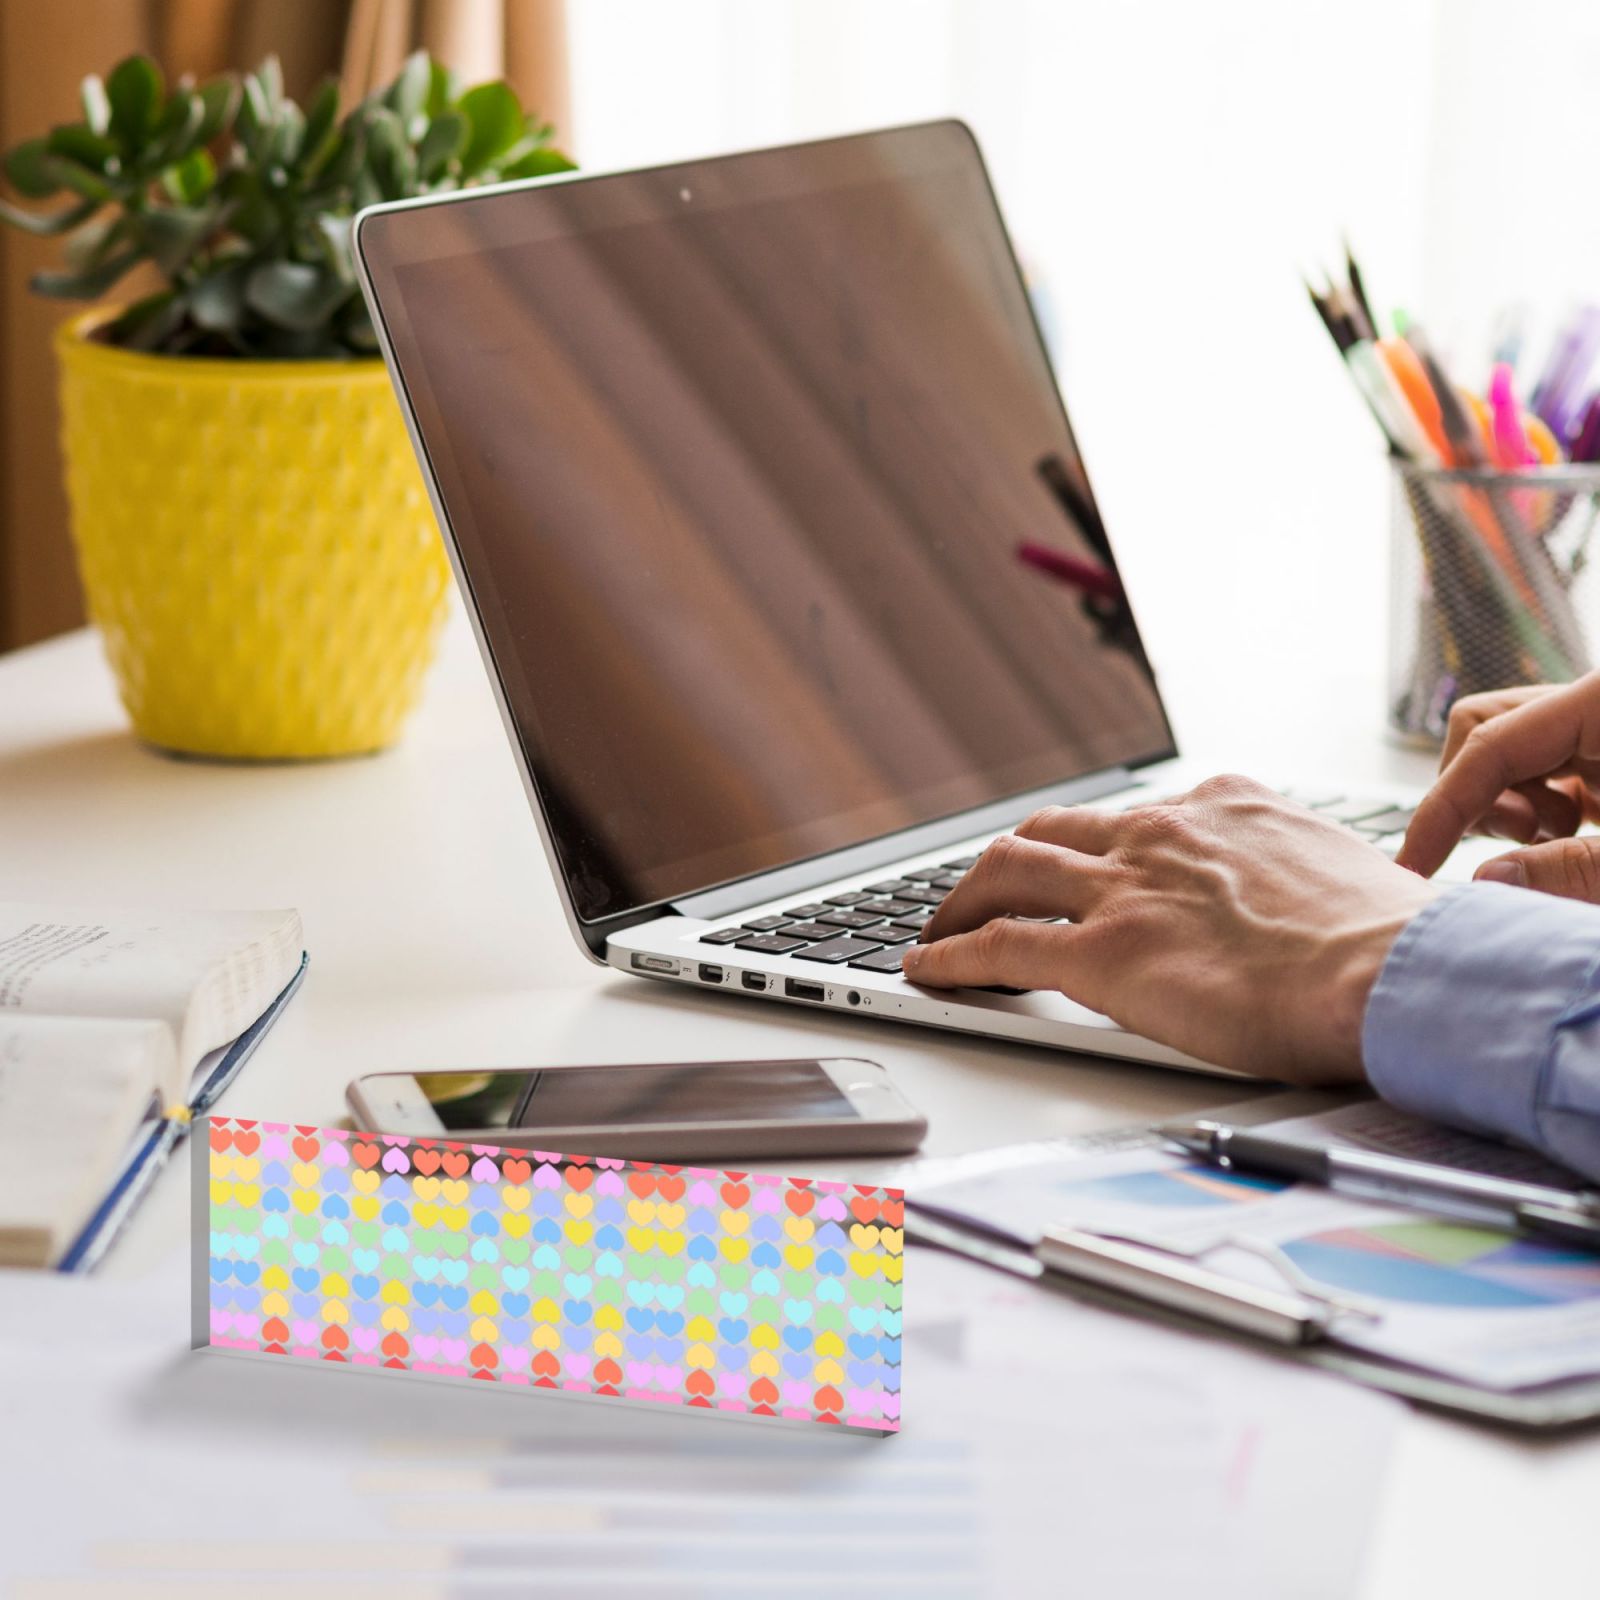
(1464, 1013)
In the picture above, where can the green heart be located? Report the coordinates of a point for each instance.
(395, 1266)
(579, 1258)
(483, 1276)
(516, 1251)
(334, 1259)
(453, 1244)
(734, 1277)
(700, 1303)
(829, 1317)
(274, 1253)
(307, 1227)
(799, 1284)
(608, 1291)
(641, 1266)
(670, 1269)
(365, 1234)
(764, 1309)
(545, 1285)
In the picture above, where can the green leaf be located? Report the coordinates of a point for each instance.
(220, 99)
(50, 223)
(191, 180)
(408, 94)
(294, 295)
(444, 88)
(85, 285)
(539, 164)
(172, 234)
(216, 301)
(255, 117)
(269, 75)
(93, 242)
(178, 131)
(96, 107)
(496, 120)
(288, 133)
(390, 159)
(81, 180)
(30, 170)
(149, 323)
(445, 139)
(321, 130)
(134, 90)
(85, 147)
(335, 235)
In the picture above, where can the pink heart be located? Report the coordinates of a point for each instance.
(305, 1333)
(864, 1402)
(247, 1324)
(335, 1155)
(274, 1127)
(733, 1383)
(578, 1366)
(890, 1405)
(485, 1171)
(395, 1160)
(768, 1200)
(274, 1148)
(830, 1208)
(395, 1138)
(639, 1373)
(221, 1321)
(363, 1359)
(824, 1186)
(611, 1163)
(453, 1350)
(514, 1357)
(767, 1180)
(546, 1177)
(796, 1394)
(701, 1194)
(426, 1346)
(366, 1338)
(608, 1183)
(669, 1377)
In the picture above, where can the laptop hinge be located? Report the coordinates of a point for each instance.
(805, 875)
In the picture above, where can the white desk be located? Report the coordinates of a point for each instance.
(429, 912)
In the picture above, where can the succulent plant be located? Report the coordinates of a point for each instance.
(243, 201)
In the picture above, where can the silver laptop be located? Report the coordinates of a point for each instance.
(781, 555)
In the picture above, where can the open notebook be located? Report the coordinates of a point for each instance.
(115, 1027)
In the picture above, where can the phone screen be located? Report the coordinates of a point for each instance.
(633, 1096)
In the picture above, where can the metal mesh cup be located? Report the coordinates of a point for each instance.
(1487, 586)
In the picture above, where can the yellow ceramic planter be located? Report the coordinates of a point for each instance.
(256, 546)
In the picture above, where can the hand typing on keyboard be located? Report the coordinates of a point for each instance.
(1231, 923)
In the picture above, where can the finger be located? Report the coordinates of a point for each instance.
(1566, 867)
(1534, 739)
(1510, 817)
(1020, 955)
(1556, 813)
(1019, 877)
(1076, 827)
(1471, 710)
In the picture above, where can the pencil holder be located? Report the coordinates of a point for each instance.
(1487, 586)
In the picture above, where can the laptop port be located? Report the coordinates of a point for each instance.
(753, 980)
(799, 989)
(664, 964)
(709, 973)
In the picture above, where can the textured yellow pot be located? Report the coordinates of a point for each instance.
(256, 545)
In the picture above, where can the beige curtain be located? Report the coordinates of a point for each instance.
(46, 47)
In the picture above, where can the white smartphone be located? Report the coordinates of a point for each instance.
(670, 1111)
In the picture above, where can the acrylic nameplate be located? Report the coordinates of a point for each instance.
(685, 1286)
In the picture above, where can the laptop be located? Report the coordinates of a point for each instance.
(781, 555)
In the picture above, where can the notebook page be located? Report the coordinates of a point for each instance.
(72, 1091)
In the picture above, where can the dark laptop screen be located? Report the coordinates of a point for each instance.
(741, 458)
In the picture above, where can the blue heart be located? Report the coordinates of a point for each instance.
(275, 1172)
(764, 1283)
(889, 1349)
(670, 1322)
(702, 1221)
(610, 1209)
(577, 1338)
(702, 1275)
(732, 1357)
(608, 1238)
(274, 1227)
(306, 1306)
(669, 1351)
(425, 1294)
(365, 1284)
(547, 1231)
(767, 1227)
(797, 1366)
(247, 1271)
(547, 1258)
(306, 1278)
(864, 1373)
(514, 1277)
(547, 1204)
(765, 1255)
(640, 1321)
(454, 1298)
(421, 1321)
(247, 1299)
(514, 1305)
(830, 1236)
(485, 1250)
(453, 1271)
(453, 1324)
(274, 1200)
(640, 1346)
(830, 1264)
(514, 1332)
(333, 1206)
(486, 1223)
(335, 1181)
(702, 1248)
(863, 1346)
(365, 1260)
(576, 1310)
(365, 1314)
(221, 1270)
(797, 1338)
(735, 1332)
(396, 1214)
(396, 1187)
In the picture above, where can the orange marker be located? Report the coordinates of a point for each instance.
(1412, 381)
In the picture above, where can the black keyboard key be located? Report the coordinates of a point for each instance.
(965, 864)
(837, 950)
(887, 908)
(814, 908)
(894, 935)
(925, 896)
(854, 898)
(1395, 821)
(948, 881)
(888, 886)
(914, 920)
(879, 961)
(925, 874)
(768, 924)
(851, 919)
(810, 932)
(723, 936)
(770, 944)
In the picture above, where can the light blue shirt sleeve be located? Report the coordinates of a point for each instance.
(1486, 1015)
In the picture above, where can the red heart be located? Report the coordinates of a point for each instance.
(247, 1143)
(394, 1344)
(893, 1212)
(517, 1172)
(393, 1362)
(221, 1137)
(456, 1163)
(483, 1356)
(366, 1155)
(335, 1338)
(699, 1382)
(643, 1184)
(307, 1149)
(578, 1178)
(275, 1330)
(829, 1399)
(800, 1201)
(605, 1370)
(736, 1194)
(671, 1188)
(547, 1363)
(426, 1161)
(764, 1392)
(863, 1210)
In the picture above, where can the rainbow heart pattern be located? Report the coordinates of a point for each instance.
(726, 1291)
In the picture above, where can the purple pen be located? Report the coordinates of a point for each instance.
(1559, 404)
(1586, 447)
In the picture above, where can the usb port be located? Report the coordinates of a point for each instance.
(643, 963)
(709, 973)
(799, 989)
(753, 980)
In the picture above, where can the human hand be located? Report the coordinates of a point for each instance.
(1231, 924)
(1521, 764)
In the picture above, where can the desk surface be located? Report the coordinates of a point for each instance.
(436, 939)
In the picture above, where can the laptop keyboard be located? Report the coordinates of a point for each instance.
(866, 927)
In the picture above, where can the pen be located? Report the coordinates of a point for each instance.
(1553, 1215)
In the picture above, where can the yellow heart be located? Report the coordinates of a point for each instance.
(274, 1278)
(395, 1293)
(863, 1265)
(863, 1237)
(335, 1311)
(734, 1249)
(517, 1226)
(221, 1165)
(454, 1218)
(580, 1205)
(799, 1229)
(701, 1355)
(828, 1372)
(246, 1167)
(221, 1192)
(545, 1310)
(483, 1331)
(579, 1233)
(515, 1199)
(669, 1215)
(892, 1239)
(483, 1303)
(641, 1239)
(735, 1222)
(334, 1287)
(424, 1215)
(669, 1244)
(764, 1364)
(366, 1206)
(303, 1200)
(248, 1195)
(894, 1268)
(454, 1191)
(303, 1173)
(395, 1320)
(764, 1336)
(608, 1318)
(364, 1182)
(274, 1305)
(799, 1256)
(701, 1328)
(425, 1188)
(641, 1211)
(829, 1344)
(547, 1338)
(607, 1344)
